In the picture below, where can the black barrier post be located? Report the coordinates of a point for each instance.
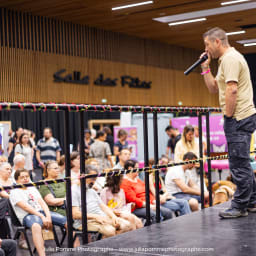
(68, 181)
(201, 157)
(83, 181)
(157, 171)
(145, 132)
(208, 155)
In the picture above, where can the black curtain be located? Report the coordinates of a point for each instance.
(37, 121)
(251, 60)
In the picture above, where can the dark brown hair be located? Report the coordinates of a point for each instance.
(18, 172)
(114, 183)
(73, 156)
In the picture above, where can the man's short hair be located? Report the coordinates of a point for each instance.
(90, 168)
(18, 158)
(18, 172)
(169, 127)
(217, 33)
(189, 156)
(124, 149)
(48, 128)
(2, 165)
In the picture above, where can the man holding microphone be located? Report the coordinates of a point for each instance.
(235, 90)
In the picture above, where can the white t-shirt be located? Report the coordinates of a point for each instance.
(93, 202)
(29, 196)
(195, 177)
(176, 172)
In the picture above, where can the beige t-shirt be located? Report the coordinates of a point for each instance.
(233, 67)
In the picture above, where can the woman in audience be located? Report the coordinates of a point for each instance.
(100, 150)
(186, 144)
(13, 141)
(121, 143)
(113, 196)
(32, 211)
(5, 178)
(75, 167)
(135, 193)
(24, 148)
(53, 194)
(172, 203)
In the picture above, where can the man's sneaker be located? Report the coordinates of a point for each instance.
(251, 208)
(233, 213)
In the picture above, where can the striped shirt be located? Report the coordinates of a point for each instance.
(48, 149)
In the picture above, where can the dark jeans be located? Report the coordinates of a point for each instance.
(8, 247)
(238, 135)
(165, 213)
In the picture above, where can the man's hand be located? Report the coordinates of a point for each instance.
(1, 242)
(162, 199)
(206, 64)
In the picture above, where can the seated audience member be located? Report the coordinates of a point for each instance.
(179, 183)
(186, 144)
(113, 196)
(5, 178)
(32, 211)
(18, 163)
(75, 167)
(100, 150)
(100, 181)
(125, 154)
(61, 164)
(7, 247)
(164, 160)
(53, 194)
(134, 189)
(100, 218)
(172, 203)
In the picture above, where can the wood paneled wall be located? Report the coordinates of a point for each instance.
(34, 48)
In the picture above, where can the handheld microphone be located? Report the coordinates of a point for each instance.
(197, 63)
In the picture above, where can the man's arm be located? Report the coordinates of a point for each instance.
(230, 98)
(185, 188)
(209, 80)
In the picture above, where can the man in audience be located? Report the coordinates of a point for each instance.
(100, 217)
(32, 211)
(174, 136)
(164, 160)
(125, 155)
(48, 148)
(179, 183)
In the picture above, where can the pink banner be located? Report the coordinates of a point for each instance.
(217, 136)
(131, 139)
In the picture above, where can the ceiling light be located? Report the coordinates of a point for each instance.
(235, 33)
(234, 2)
(247, 41)
(185, 21)
(131, 5)
(250, 44)
(207, 12)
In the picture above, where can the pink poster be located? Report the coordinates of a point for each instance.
(217, 137)
(131, 139)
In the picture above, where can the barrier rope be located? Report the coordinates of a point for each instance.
(102, 108)
(112, 172)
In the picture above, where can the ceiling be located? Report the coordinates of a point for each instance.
(138, 21)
